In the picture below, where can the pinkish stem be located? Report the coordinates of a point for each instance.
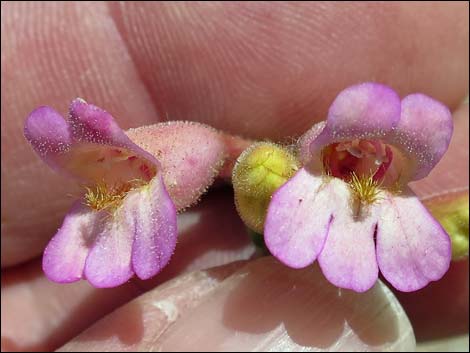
(234, 145)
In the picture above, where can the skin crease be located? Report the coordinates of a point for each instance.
(195, 63)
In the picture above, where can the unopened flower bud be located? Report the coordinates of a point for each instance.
(452, 213)
(260, 170)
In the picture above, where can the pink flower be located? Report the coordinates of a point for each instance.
(125, 224)
(349, 206)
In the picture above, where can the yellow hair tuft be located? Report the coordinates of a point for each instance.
(103, 196)
(365, 189)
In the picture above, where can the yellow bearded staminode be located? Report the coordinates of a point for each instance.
(258, 173)
(365, 189)
(103, 196)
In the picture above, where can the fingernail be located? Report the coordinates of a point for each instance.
(266, 306)
(263, 306)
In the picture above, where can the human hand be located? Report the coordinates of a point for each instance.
(260, 70)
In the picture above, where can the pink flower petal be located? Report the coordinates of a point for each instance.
(64, 256)
(348, 257)
(92, 124)
(412, 247)
(191, 155)
(424, 132)
(311, 217)
(140, 235)
(364, 111)
(298, 218)
(155, 229)
(102, 151)
(94, 163)
(48, 133)
(305, 156)
(109, 261)
(91, 147)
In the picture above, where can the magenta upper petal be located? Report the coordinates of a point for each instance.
(363, 111)
(297, 220)
(64, 257)
(348, 256)
(412, 247)
(90, 147)
(423, 132)
(48, 134)
(155, 229)
(92, 124)
(100, 143)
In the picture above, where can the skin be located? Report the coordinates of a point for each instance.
(258, 70)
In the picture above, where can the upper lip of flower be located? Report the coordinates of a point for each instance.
(419, 126)
(107, 246)
(91, 147)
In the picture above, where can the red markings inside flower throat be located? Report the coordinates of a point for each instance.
(363, 158)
